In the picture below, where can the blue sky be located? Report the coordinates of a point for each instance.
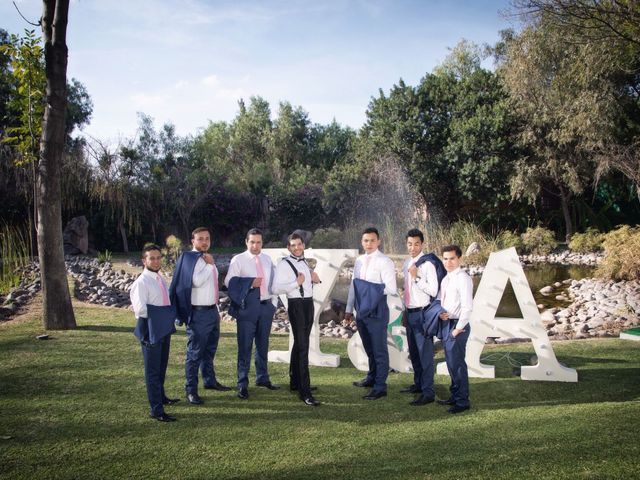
(190, 61)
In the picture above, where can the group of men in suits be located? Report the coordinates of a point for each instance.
(437, 303)
(193, 299)
(253, 284)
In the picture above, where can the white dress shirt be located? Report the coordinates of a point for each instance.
(380, 269)
(146, 290)
(456, 296)
(202, 283)
(285, 279)
(421, 290)
(244, 265)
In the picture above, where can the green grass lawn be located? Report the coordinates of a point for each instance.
(75, 407)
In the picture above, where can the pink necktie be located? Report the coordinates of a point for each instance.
(363, 270)
(163, 289)
(260, 271)
(407, 287)
(216, 294)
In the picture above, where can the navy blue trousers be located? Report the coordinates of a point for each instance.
(420, 353)
(373, 333)
(203, 334)
(254, 324)
(454, 352)
(156, 359)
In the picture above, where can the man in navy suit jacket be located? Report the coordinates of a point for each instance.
(154, 326)
(195, 293)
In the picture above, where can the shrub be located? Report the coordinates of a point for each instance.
(15, 245)
(328, 238)
(297, 209)
(508, 239)
(589, 241)
(621, 260)
(171, 252)
(105, 257)
(539, 241)
(461, 233)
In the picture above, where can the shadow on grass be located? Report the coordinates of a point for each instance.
(505, 361)
(106, 328)
(180, 332)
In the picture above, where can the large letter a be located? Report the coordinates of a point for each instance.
(502, 267)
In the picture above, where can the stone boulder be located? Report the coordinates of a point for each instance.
(473, 249)
(76, 236)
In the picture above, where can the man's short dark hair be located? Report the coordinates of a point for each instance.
(294, 236)
(452, 248)
(371, 230)
(148, 248)
(414, 232)
(199, 230)
(253, 231)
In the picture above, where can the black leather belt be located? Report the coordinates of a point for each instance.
(202, 307)
(264, 302)
(417, 309)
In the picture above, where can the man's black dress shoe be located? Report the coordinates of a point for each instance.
(422, 400)
(411, 389)
(269, 385)
(243, 393)
(458, 409)
(217, 386)
(170, 401)
(312, 388)
(163, 417)
(448, 401)
(374, 395)
(363, 383)
(312, 402)
(194, 399)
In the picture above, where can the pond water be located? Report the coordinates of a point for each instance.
(539, 276)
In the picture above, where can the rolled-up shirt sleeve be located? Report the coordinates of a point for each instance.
(234, 271)
(284, 280)
(139, 299)
(465, 286)
(428, 282)
(388, 276)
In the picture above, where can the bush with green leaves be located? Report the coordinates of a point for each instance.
(171, 252)
(508, 239)
(15, 245)
(587, 242)
(105, 257)
(328, 238)
(539, 241)
(621, 260)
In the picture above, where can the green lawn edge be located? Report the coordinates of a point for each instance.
(75, 407)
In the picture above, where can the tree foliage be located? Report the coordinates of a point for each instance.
(451, 133)
(573, 74)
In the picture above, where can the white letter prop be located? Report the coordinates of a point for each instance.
(502, 267)
(396, 341)
(329, 263)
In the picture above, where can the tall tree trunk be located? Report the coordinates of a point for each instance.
(123, 234)
(566, 213)
(58, 311)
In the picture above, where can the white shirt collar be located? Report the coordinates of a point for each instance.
(455, 272)
(416, 258)
(150, 274)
